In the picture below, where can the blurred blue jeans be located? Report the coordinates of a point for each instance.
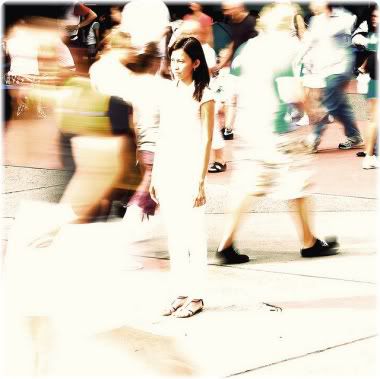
(336, 102)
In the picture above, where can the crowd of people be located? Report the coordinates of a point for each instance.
(143, 117)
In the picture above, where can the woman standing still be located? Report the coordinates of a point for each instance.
(179, 171)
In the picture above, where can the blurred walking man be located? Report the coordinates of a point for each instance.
(272, 159)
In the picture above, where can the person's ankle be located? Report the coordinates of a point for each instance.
(309, 242)
(224, 245)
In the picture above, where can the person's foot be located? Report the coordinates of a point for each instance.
(230, 255)
(351, 142)
(369, 162)
(321, 248)
(176, 304)
(217, 167)
(361, 154)
(190, 308)
(312, 142)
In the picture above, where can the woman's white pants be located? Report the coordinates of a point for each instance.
(187, 244)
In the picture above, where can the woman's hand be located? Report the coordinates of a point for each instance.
(152, 192)
(201, 197)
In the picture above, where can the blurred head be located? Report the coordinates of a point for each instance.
(319, 7)
(115, 14)
(195, 7)
(190, 28)
(375, 18)
(233, 9)
(147, 60)
(120, 44)
(275, 17)
(145, 20)
(188, 63)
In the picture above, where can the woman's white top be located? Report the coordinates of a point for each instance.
(179, 160)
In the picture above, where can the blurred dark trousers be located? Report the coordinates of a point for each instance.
(336, 102)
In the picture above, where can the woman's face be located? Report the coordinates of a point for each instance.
(182, 66)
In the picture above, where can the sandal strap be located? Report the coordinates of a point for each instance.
(192, 301)
(168, 311)
(186, 312)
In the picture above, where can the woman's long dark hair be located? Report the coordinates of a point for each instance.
(193, 48)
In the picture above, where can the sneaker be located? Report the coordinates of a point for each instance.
(351, 142)
(230, 255)
(321, 248)
(228, 134)
(369, 162)
(312, 141)
(361, 154)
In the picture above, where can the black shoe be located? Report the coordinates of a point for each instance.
(217, 167)
(360, 154)
(321, 248)
(231, 255)
(228, 134)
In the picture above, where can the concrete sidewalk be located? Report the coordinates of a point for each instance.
(76, 309)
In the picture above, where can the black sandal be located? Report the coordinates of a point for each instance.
(217, 167)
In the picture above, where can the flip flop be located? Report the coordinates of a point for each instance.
(217, 167)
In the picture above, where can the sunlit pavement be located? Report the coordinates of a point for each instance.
(78, 307)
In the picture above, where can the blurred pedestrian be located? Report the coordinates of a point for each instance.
(272, 159)
(330, 34)
(77, 17)
(242, 26)
(369, 67)
(205, 22)
(91, 39)
(142, 94)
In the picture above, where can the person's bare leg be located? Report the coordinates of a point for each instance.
(233, 221)
(219, 156)
(303, 220)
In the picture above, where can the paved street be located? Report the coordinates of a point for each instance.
(75, 309)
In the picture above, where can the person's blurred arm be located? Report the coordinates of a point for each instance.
(210, 36)
(300, 26)
(225, 60)
(88, 14)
